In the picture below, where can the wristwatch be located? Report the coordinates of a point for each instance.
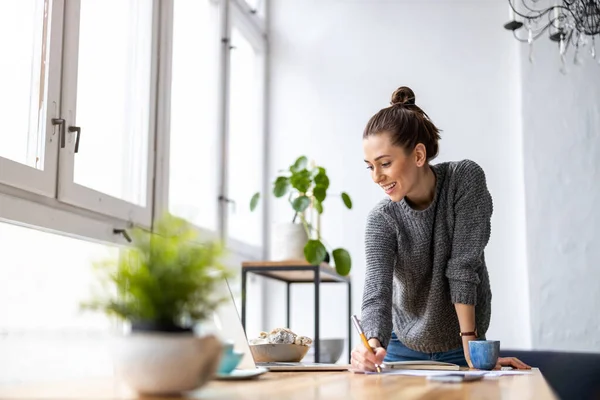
(474, 333)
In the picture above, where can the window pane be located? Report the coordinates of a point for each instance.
(43, 334)
(113, 97)
(194, 161)
(24, 40)
(245, 155)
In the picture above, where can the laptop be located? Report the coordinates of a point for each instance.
(229, 328)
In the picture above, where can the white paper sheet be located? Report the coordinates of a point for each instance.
(420, 372)
(509, 372)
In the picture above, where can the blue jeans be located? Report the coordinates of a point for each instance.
(396, 351)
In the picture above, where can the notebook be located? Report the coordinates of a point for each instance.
(421, 364)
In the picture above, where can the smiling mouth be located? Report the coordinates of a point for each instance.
(389, 188)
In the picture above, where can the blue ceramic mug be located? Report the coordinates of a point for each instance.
(229, 359)
(484, 353)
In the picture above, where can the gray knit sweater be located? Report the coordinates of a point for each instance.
(419, 263)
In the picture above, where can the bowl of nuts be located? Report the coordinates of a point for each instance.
(279, 345)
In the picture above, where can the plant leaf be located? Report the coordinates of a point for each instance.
(254, 201)
(281, 186)
(299, 165)
(318, 170)
(347, 200)
(320, 193)
(315, 252)
(300, 203)
(321, 179)
(301, 180)
(342, 260)
(318, 206)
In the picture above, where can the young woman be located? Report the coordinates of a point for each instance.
(427, 291)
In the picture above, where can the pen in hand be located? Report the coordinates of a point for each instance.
(364, 338)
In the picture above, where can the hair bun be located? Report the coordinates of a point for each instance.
(403, 95)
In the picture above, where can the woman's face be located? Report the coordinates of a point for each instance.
(395, 171)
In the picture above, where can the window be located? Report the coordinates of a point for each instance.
(245, 139)
(30, 95)
(106, 162)
(89, 98)
(208, 159)
(194, 162)
(115, 113)
(24, 79)
(118, 110)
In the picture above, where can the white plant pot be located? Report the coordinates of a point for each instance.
(163, 363)
(287, 241)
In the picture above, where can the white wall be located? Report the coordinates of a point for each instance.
(335, 63)
(561, 129)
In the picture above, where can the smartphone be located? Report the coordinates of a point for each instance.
(455, 378)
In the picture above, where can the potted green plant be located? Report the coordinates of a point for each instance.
(306, 188)
(163, 285)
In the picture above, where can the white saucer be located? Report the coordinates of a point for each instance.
(241, 374)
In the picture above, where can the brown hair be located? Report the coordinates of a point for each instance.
(406, 123)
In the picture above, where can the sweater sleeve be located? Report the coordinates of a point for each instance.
(472, 214)
(381, 249)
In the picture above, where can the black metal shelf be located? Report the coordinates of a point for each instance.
(298, 272)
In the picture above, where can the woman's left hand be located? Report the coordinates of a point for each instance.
(502, 361)
(511, 362)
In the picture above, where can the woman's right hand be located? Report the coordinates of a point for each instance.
(363, 359)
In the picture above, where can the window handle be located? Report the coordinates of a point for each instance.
(78, 130)
(122, 232)
(228, 200)
(61, 130)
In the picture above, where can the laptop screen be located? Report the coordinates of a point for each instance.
(228, 326)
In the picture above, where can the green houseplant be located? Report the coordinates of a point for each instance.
(165, 281)
(306, 187)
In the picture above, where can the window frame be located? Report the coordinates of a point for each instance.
(68, 190)
(241, 16)
(74, 212)
(21, 176)
(163, 152)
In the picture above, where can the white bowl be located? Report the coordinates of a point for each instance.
(162, 363)
(330, 350)
(278, 352)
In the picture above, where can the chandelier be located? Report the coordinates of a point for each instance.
(569, 23)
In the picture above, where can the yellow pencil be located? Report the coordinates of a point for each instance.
(364, 338)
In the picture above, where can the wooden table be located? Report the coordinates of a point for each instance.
(309, 385)
(299, 271)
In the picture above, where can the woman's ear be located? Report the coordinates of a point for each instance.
(420, 154)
